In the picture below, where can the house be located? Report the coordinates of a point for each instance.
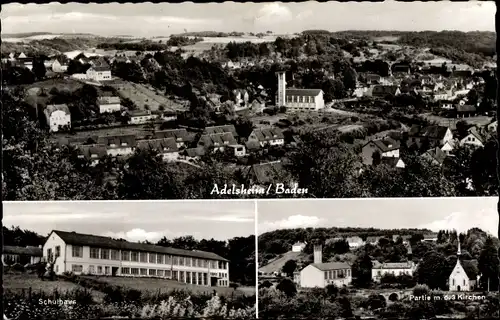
(298, 246)
(90, 254)
(109, 104)
(166, 147)
(373, 79)
(99, 72)
(386, 147)
(466, 110)
(464, 276)
(168, 116)
(93, 153)
(373, 240)
(181, 136)
(435, 156)
(142, 117)
(405, 238)
(58, 67)
(448, 147)
(194, 153)
(321, 274)
(217, 141)
(430, 237)
(298, 99)
(393, 162)
(21, 255)
(241, 98)
(122, 145)
(492, 127)
(58, 117)
(267, 137)
(433, 135)
(400, 69)
(221, 129)
(355, 242)
(239, 150)
(383, 91)
(264, 173)
(258, 105)
(394, 268)
(474, 138)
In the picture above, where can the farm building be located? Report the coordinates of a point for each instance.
(320, 274)
(22, 255)
(298, 99)
(90, 254)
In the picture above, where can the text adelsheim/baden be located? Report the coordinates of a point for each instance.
(277, 188)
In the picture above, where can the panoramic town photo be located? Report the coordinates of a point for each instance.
(97, 260)
(378, 259)
(248, 100)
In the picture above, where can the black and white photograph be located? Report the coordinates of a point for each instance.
(248, 100)
(378, 258)
(129, 260)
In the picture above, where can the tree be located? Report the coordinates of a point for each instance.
(376, 158)
(362, 270)
(289, 267)
(350, 79)
(488, 266)
(433, 271)
(287, 286)
(39, 69)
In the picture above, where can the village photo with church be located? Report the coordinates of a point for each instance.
(379, 258)
(76, 260)
(252, 95)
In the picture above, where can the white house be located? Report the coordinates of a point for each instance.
(321, 274)
(109, 104)
(448, 147)
(118, 145)
(166, 147)
(298, 99)
(142, 117)
(99, 73)
(58, 67)
(267, 137)
(355, 242)
(217, 141)
(386, 147)
(89, 254)
(394, 268)
(298, 246)
(238, 149)
(435, 135)
(464, 276)
(492, 127)
(93, 153)
(473, 138)
(58, 117)
(180, 135)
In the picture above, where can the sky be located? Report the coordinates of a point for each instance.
(435, 214)
(147, 19)
(136, 221)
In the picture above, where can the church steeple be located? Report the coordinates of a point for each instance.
(458, 251)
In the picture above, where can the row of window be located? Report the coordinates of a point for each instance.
(337, 274)
(453, 282)
(300, 99)
(110, 254)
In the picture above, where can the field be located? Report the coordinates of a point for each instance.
(138, 131)
(162, 285)
(451, 122)
(23, 281)
(142, 96)
(277, 264)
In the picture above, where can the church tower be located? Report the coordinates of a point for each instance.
(281, 93)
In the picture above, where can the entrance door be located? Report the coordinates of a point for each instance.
(213, 281)
(114, 271)
(458, 288)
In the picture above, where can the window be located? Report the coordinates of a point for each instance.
(144, 272)
(188, 262)
(134, 271)
(160, 273)
(107, 270)
(125, 270)
(181, 276)
(125, 255)
(134, 256)
(94, 253)
(181, 261)
(77, 251)
(200, 278)
(175, 275)
(76, 268)
(49, 254)
(99, 269)
(152, 272)
(464, 282)
(205, 279)
(91, 269)
(152, 258)
(105, 254)
(115, 255)
(58, 251)
(144, 257)
(453, 281)
(188, 277)
(205, 263)
(168, 260)
(160, 258)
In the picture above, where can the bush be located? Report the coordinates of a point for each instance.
(421, 290)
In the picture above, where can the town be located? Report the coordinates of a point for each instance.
(254, 112)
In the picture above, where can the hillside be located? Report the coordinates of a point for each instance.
(277, 264)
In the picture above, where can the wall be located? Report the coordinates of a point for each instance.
(457, 279)
(311, 277)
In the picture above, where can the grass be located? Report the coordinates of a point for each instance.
(153, 285)
(138, 131)
(143, 96)
(19, 283)
(451, 122)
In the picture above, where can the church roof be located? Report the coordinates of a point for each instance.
(470, 268)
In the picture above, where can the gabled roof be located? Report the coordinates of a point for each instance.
(221, 129)
(381, 89)
(470, 268)
(80, 239)
(267, 134)
(108, 100)
(56, 107)
(25, 251)
(386, 144)
(178, 134)
(265, 173)
(327, 266)
(303, 92)
(435, 154)
(390, 161)
(128, 140)
(195, 152)
(217, 139)
(92, 151)
(433, 132)
(161, 145)
(393, 265)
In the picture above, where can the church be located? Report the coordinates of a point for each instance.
(465, 275)
(298, 99)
